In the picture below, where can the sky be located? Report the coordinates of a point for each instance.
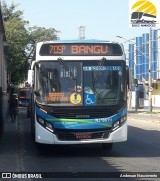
(102, 19)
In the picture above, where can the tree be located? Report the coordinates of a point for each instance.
(38, 34)
(21, 40)
(17, 37)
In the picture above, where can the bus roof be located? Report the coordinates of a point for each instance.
(78, 41)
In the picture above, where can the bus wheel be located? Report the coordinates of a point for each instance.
(107, 146)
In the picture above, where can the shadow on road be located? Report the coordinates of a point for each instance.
(71, 158)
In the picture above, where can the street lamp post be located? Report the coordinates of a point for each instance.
(150, 73)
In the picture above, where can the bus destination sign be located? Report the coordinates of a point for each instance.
(80, 49)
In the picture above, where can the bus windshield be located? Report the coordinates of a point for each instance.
(80, 83)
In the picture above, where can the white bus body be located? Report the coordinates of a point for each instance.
(76, 98)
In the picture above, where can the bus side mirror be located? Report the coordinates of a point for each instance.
(128, 77)
(30, 77)
(37, 93)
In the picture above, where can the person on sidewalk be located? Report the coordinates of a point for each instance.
(13, 107)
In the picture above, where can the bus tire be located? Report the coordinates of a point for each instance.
(107, 146)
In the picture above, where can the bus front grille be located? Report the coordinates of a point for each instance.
(75, 136)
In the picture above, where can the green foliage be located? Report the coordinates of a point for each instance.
(21, 40)
(41, 34)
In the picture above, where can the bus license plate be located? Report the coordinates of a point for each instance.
(83, 136)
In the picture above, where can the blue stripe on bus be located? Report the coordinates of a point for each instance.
(81, 123)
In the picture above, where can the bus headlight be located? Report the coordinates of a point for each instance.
(45, 124)
(41, 121)
(119, 123)
(123, 119)
(116, 125)
(49, 126)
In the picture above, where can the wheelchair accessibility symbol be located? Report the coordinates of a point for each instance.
(89, 99)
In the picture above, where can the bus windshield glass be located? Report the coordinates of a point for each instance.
(80, 83)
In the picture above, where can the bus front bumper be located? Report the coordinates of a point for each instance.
(46, 137)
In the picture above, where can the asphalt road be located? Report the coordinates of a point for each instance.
(141, 153)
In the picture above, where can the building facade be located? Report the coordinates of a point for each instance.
(145, 51)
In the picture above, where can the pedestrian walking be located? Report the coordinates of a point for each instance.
(13, 107)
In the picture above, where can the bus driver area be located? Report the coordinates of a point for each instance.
(76, 97)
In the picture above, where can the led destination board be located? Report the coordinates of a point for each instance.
(80, 49)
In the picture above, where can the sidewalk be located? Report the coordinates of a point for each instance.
(143, 111)
(143, 114)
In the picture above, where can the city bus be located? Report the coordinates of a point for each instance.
(79, 93)
(24, 96)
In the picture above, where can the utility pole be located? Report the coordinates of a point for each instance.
(150, 73)
(82, 32)
(136, 89)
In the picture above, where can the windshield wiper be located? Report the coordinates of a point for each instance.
(66, 68)
(94, 78)
(97, 74)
